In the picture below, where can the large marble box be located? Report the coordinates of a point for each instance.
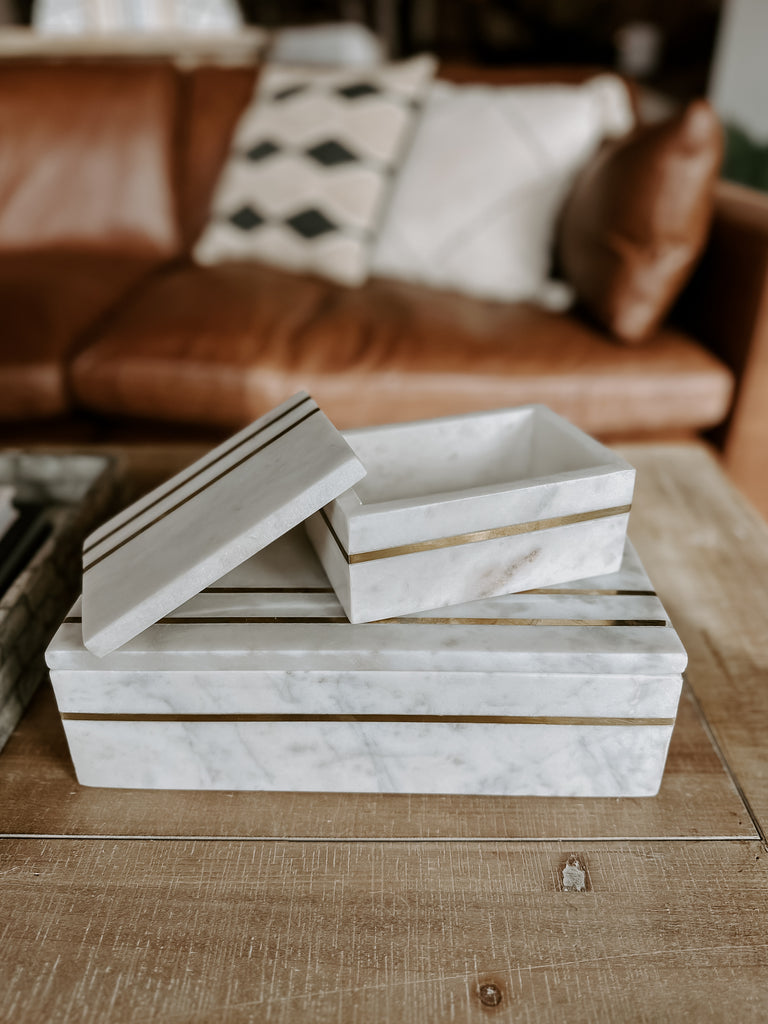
(260, 682)
(467, 507)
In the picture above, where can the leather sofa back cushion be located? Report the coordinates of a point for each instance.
(637, 219)
(87, 158)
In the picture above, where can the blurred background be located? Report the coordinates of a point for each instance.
(82, 356)
(676, 50)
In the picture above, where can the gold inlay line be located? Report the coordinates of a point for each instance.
(529, 622)
(256, 620)
(200, 490)
(69, 716)
(171, 490)
(267, 590)
(474, 537)
(587, 592)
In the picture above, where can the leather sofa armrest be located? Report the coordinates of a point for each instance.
(726, 307)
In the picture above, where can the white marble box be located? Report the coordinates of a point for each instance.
(261, 683)
(467, 507)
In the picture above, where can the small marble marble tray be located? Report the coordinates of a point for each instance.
(467, 507)
(75, 492)
(260, 682)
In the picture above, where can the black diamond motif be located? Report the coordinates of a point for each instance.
(290, 90)
(310, 223)
(246, 218)
(357, 89)
(262, 151)
(331, 153)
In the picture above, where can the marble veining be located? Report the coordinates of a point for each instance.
(420, 580)
(540, 760)
(371, 692)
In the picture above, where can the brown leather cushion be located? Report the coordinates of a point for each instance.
(222, 345)
(212, 99)
(47, 300)
(637, 220)
(197, 345)
(87, 158)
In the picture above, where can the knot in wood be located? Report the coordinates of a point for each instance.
(490, 994)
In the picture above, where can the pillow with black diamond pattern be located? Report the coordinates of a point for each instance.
(311, 166)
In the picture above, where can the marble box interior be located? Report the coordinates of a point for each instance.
(468, 507)
(260, 682)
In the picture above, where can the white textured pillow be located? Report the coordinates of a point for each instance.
(312, 164)
(477, 200)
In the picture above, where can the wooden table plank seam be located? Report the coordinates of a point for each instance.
(413, 840)
(716, 746)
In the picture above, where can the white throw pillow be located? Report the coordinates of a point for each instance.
(312, 163)
(477, 200)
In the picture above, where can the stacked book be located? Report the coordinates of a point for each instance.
(449, 606)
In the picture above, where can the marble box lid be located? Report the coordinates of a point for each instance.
(190, 531)
(277, 611)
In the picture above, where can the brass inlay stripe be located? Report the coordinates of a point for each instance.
(200, 490)
(589, 592)
(238, 620)
(267, 590)
(577, 591)
(253, 620)
(71, 716)
(171, 490)
(531, 622)
(475, 537)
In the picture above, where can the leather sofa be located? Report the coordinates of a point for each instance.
(110, 331)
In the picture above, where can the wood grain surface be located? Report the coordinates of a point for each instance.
(408, 909)
(706, 550)
(382, 933)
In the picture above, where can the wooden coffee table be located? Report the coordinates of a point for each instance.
(134, 906)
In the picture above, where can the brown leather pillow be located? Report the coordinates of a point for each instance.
(637, 219)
